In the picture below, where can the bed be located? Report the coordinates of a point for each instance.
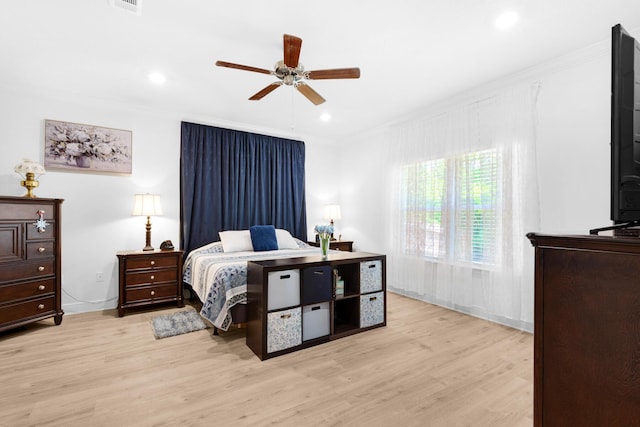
(217, 273)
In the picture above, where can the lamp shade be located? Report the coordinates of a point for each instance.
(147, 205)
(27, 166)
(332, 212)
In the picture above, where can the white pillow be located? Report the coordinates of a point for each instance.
(236, 240)
(285, 239)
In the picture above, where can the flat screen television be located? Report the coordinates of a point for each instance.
(625, 128)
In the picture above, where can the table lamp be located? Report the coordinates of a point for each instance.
(147, 205)
(332, 212)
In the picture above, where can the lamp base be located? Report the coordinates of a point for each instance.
(148, 246)
(30, 183)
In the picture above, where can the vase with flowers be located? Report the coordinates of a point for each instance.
(324, 235)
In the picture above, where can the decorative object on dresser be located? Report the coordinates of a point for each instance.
(147, 205)
(338, 245)
(293, 303)
(587, 331)
(30, 261)
(148, 278)
(29, 170)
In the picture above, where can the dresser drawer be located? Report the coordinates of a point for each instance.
(150, 293)
(23, 310)
(26, 269)
(34, 234)
(26, 211)
(151, 261)
(37, 250)
(151, 276)
(26, 290)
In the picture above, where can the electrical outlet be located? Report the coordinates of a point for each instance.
(99, 277)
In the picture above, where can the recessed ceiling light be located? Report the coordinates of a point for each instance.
(157, 78)
(325, 117)
(506, 20)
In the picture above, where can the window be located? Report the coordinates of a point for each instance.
(449, 207)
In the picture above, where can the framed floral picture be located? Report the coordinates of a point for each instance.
(78, 147)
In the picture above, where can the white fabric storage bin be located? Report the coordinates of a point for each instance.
(370, 276)
(371, 309)
(284, 329)
(315, 321)
(283, 289)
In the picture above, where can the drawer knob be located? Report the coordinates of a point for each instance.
(153, 277)
(285, 316)
(153, 263)
(41, 250)
(41, 288)
(153, 293)
(41, 268)
(40, 306)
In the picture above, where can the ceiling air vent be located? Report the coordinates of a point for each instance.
(133, 6)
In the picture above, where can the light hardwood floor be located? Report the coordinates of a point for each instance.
(428, 367)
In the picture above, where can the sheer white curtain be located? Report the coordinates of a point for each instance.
(436, 253)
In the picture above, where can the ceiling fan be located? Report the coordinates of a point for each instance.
(290, 72)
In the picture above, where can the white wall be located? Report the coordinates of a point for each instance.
(96, 213)
(572, 145)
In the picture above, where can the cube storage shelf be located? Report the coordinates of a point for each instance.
(292, 303)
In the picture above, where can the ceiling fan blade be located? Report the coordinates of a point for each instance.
(267, 90)
(336, 73)
(311, 94)
(242, 67)
(292, 45)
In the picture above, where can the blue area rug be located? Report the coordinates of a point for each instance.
(182, 322)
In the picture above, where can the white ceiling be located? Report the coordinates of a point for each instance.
(411, 53)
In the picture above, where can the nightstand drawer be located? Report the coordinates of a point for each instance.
(151, 276)
(151, 293)
(26, 309)
(151, 261)
(26, 290)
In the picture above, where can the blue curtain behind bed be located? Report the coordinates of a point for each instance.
(231, 180)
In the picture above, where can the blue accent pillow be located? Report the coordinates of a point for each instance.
(263, 237)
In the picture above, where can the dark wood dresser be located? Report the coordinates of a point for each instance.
(148, 278)
(30, 261)
(587, 331)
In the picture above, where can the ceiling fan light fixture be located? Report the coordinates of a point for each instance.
(290, 72)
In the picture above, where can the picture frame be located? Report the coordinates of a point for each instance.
(87, 148)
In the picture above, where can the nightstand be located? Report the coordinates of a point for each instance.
(148, 278)
(340, 245)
